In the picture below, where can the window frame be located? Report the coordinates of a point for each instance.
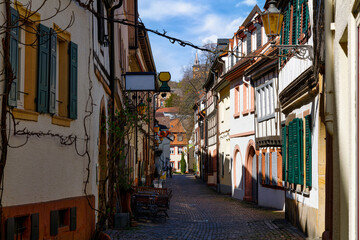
(263, 94)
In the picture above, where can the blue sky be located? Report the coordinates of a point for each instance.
(196, 21)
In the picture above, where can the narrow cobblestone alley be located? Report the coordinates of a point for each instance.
(198, 212)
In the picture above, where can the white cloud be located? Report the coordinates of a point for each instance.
(217, 26)
(250, 3)
(163, 9)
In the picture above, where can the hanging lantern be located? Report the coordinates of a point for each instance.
(272, 20)
(161, 138)
(141, 108)
(156, 128)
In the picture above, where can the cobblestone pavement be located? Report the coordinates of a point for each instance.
(198, 212)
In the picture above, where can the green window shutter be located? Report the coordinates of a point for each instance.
(284, 149)
(54, 222)
(308, 151)
(73, 78)
(14, 55)
(300, 134)
(305, 18)
(43, 69)
(73, 219)
(34, 227)
(295, 22)
(296, 143)
(52, 72)
(10, 229)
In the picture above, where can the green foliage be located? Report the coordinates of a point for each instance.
(123, 125)
(172, 101)
(183, 163)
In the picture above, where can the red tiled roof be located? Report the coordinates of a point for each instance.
(168, 109)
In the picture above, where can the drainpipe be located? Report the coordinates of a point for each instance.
(217, 146)
(331, 227)
(112, 89)
(329, 76)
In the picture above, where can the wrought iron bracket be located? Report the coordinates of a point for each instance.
(299, 51)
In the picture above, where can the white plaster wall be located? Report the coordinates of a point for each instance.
(345, 79)
(43, 169)
(244, 123)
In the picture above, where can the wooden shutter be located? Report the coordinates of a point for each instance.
(258, 36)
(100, 21)
(14, 56)
(248, 43)
(295, 25)
(298, 149)
(43, 69)
(305, 18)
(291, 154)
(284, 153)
(73, 219)
(73, 78)
(260, 164)
(54, 222)
(274, 168)
(52, 72)
(10, 229)
(34, 227)
(267, 168)
(308, 151)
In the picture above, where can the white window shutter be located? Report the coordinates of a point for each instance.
(274, 168)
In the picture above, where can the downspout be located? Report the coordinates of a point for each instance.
(112, 173)
(329, 76)
(331, 227)
(217, 146)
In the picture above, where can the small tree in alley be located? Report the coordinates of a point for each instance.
(183, 163)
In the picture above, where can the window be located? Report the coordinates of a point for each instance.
(180, 149)
(39, 84)
(171, 150)
(248, 43)
(180, 137)
(258, 36)
(293, 152)
(248, 98)
(62, 218)
(295, 24)
(236, 103)
(265, 101)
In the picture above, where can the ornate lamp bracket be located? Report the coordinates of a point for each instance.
(299, 51)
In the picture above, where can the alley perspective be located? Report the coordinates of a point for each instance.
(187, 119)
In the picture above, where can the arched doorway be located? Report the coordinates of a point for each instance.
(102, 160)
(251, 173)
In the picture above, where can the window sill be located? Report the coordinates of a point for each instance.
(25, 114)
(236, 115)
(61, 121)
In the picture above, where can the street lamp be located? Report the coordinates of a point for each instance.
(141, 108)
(272, 20)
